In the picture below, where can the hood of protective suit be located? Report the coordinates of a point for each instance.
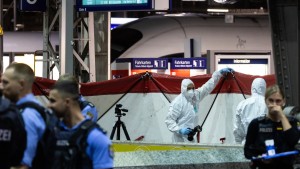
(258, 87)
(184, 84)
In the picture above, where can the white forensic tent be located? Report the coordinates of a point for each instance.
(147, 97)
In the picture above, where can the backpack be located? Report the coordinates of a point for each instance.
(13, 136)
(70, 152)
(44, 153)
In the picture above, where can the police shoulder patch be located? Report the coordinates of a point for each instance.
(90, 115)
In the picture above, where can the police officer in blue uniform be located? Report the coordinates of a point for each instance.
(11, 150)
(17, 84)
(88, 109)
(97, 146)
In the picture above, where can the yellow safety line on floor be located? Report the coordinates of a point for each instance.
(137, 147)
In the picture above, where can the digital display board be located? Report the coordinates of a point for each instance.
(113, 5)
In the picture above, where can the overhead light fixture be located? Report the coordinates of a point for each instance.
(226, 1)
(220, 1)
(217, 10)
(178, 14)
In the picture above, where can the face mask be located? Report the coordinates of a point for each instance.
(190, 94)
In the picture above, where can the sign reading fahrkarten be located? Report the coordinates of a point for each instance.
(149, 63)
(188, 63)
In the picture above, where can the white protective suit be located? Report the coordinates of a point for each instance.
(247, 110)
(183, 109)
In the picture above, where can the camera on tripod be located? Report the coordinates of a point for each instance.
(119, 111)
(119, 124)
(193, 132)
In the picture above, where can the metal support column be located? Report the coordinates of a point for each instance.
(66, 37)
(102, 45)
(109, 46)
(79, 55)
(92, 60)
(15, 15)
(46, 41)
(85, 54)
(284, 18)
(50, 58)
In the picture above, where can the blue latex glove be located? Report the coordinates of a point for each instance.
(226, 70)
(185, 131)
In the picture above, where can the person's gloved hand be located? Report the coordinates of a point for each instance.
(185, 131)
(226, 70)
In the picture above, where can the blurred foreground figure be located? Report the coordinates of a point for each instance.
(274, 128)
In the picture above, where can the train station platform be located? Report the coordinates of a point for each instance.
(134, 155)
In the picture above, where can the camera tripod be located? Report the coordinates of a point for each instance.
(118, 126)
